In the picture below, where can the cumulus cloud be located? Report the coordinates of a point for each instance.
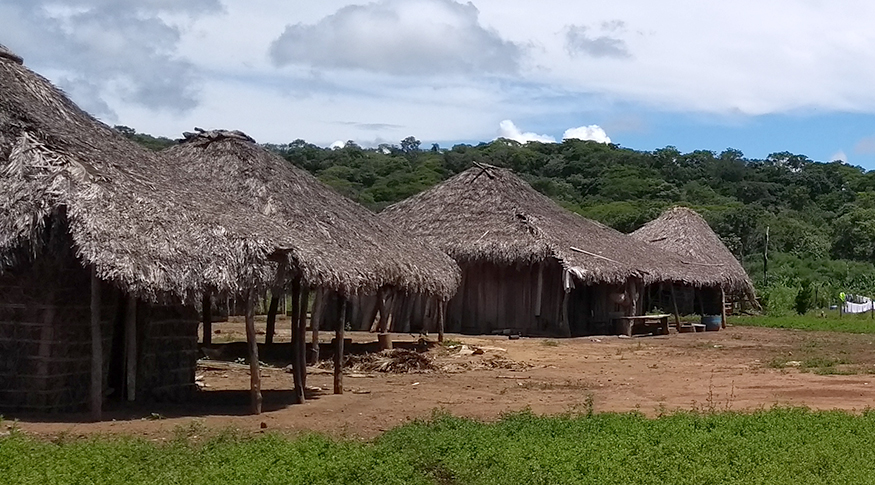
(591, 132)
(108, 49)
(507, 129)
(580, 41)
(839, 156)
(402, 37)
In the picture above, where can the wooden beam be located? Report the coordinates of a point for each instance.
(315, 321)
(207, 310)
(297, 337)
(302, 332)
(254, 367)
(96, 350)
(271, 317)
(131, 348)
(674, 303)
(722, 308)
(442, 313)
(338, 347)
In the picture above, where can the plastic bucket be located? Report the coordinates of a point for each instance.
(712, 322)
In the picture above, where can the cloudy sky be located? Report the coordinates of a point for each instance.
(761, 77)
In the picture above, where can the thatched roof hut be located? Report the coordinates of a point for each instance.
(142, 227)
(490, 214)
(101, 244)
(683, 231)
(336, 243)
(530, 265)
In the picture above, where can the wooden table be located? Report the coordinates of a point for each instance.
(624, 325)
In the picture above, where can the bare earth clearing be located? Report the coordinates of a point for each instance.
(739, 368)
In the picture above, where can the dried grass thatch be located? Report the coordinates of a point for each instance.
(683, 231)
(489, 214)
(151, 231)
(336, 243)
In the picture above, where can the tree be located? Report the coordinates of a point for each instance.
(803, 298)
(410, 147)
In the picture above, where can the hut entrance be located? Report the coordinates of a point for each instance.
(689, 300)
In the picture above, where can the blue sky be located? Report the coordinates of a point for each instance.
(761, 77)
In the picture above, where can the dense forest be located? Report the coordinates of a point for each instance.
(818, 218)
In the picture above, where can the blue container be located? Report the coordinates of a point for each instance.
(712, 322)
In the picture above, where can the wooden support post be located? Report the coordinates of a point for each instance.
(96, 350)
(442, 314)
(338, 347)
(674, 304)
(315, 321)
(566, 325)
(722, 308)
(302, 331)
(254, 367)
(385, 341)
(297, 337)
(207, 309)
(271, 317)
(131, 348)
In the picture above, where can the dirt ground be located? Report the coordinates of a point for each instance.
(739, 368)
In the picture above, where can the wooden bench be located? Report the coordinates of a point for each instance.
(625, 324)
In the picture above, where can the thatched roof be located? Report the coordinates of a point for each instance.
(337, 243)
(490, 214)
(150, 231)
(683, 231)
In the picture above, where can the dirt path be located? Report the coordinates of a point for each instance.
(740, 368)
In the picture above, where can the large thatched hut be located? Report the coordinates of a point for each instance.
(343, 250)
(683, 231)
(528, 265)
(101, 251)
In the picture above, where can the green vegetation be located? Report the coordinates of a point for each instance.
(830, 322)
(778, 446)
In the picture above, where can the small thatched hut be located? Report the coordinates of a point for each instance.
(683, 231)
(528, 265)
(100, 249)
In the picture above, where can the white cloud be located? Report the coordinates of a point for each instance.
(404, 37)
(591, 132)
(839, 156)
(99, 47)
(507, 129)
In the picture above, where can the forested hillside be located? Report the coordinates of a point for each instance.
(820, 217)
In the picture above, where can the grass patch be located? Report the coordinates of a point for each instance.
(860, 323)
(778, 446)
(549, 343)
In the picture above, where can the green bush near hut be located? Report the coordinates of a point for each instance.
(777, 446)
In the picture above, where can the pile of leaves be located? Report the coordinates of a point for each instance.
(394, 361)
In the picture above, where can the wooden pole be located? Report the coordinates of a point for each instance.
(674, 304)
(96, 350)
(254, 367)
(315, 321)
(207, 309)
(722, 308)
(338, 348)
(271, 317)
(297, 336)
(131, 348)
(442, 313)
(302, 331)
